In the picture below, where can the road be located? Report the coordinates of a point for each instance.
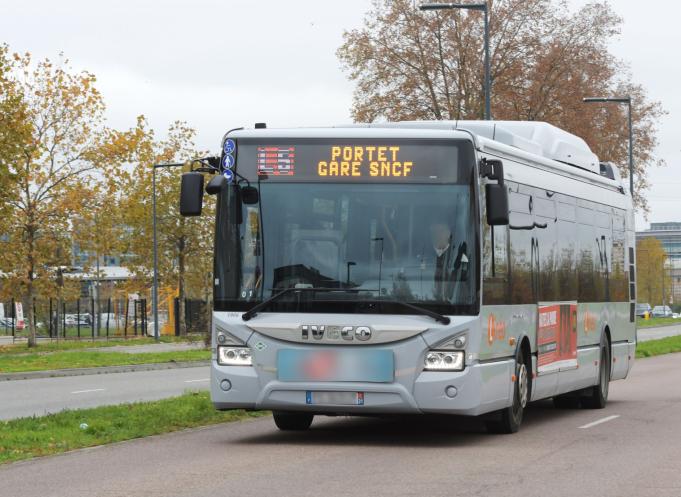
(631, 448)
(40, 396)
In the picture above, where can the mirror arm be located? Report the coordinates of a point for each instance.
(212, 165)
(207, 164)
(492, 169)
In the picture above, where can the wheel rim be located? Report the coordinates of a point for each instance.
(522, 386)
(605, 380)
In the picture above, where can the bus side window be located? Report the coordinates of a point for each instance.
(567, 247)
(586, 263)
(522, 248)
(545, 233)
(495, 268)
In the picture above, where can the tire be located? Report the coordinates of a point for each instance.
(511, 417)
(597, 397)
(292, 421)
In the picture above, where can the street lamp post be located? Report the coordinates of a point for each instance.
(472, 6)
(154, 292)
(621, 100)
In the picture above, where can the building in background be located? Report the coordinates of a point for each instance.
(669, 234)
(93, 284)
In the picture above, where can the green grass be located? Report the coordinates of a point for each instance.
(652, 322)
(46, 435)
(20, 363)
(55, 345)
(652, 348)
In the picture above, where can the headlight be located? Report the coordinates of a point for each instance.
(234, 356)
(437, 360)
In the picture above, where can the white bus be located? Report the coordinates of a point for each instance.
(445, 267)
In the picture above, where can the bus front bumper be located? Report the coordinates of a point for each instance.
(479, 388)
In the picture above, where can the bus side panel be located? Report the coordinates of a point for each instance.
(502, 328)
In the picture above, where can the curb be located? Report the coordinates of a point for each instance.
(56, 373)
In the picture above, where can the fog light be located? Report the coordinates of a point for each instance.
(437, 360)
(451, 391)
(234, 356)
(226, 385)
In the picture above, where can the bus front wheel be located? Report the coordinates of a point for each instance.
(510, 418)
(292, 421)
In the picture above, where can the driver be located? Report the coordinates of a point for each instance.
(448, 263)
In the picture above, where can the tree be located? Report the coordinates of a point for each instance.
(410, 64)
(14, 128)
(52, 172)
(184, 244)
(653, 278)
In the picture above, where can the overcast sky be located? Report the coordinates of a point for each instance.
(222, 64)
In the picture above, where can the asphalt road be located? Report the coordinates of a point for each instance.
(40, 396)
(631, 448)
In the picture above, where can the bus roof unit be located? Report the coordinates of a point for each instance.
(536, 137)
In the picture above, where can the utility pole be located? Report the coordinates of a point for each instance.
(481, 7)
(154, 291)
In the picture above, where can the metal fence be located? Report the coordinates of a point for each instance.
(87, 318)
(82, 318)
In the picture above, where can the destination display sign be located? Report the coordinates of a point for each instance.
(353, 160)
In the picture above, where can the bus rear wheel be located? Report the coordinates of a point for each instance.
(292, 421)
(510, 418)
(597, 396)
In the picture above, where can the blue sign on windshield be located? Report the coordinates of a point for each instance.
(228, 162)
(229, 146)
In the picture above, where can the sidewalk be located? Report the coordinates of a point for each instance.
(645, 334)
(150, 347)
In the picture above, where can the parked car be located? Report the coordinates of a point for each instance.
(73, 319)
(642, 309)
(662, 311)
(6, 322)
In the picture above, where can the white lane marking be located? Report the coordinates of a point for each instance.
(196, 381)
(604, 420)
(88, 391)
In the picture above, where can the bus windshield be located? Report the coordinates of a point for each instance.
(411, 239)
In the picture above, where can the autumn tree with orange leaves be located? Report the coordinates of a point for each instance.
(409, 64)
(53, 171)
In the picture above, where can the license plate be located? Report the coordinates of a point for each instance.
(349, 364)
(335, 398)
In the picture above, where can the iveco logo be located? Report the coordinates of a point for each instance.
(318, 332)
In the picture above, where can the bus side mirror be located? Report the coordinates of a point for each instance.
(497, 204)
(191, 194)
(496, 194)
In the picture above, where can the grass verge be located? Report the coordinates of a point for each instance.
(652, 322)
(54, 345)
(69, 359)
(46, 435)
(652, 348)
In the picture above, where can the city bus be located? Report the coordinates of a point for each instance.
(449, 267)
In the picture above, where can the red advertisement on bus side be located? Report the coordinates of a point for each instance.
(556, 337)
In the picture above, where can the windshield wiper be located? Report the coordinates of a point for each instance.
(421, 310)
(259, 307)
